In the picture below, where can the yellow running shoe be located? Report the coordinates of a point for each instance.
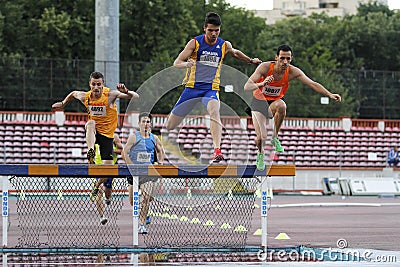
(93, 194)
(90, 156)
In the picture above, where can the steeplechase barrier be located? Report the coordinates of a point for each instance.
(195, 208)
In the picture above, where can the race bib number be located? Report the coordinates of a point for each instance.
(209, 60)
(272, 90)
(143, 157)
(98, 111)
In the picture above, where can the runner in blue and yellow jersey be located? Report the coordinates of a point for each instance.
(203, 57)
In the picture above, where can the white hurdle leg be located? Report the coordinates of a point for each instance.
(135, 218)
(264, 211)
(4, 211)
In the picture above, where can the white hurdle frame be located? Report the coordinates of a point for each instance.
(264, 212)
(4, 213)
(124, 170)
(135, 217)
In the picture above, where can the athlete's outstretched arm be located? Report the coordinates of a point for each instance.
(121, 92)
(80, 95)
(299, 74)
(183, 60)
(236, 53)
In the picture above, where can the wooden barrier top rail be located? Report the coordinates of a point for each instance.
(73, 170)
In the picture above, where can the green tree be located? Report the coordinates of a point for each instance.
(373, 7)
(241, 28)
(394, 38)
(45, 28)
(151, 30)
(1, 33)
(343, 54)
(362, 42)
(13, 30)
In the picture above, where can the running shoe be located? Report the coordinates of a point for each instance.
(148, 220)
(278, 147)
(260, 163)
(217, 155)
(103, 220)
(142, 229)
(90, 156)
(93, 194)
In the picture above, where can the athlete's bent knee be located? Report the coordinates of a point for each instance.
(90, 125)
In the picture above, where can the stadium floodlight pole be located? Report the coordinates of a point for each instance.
(107, 42)
(4, 213)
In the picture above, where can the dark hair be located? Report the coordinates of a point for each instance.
(96, 75)
(212, 18)
(145, 114)
(285, 48)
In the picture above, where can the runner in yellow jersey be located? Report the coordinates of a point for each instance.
(106, 189)
(102, 117)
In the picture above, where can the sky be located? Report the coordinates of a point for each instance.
(394, 4)
(252, 4)
(267, 4)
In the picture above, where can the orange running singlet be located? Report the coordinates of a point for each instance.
(274, 90)
(106, 117)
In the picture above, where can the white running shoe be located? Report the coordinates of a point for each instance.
(103, 220)
(142, 229)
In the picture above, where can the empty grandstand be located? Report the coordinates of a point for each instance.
(27, 138)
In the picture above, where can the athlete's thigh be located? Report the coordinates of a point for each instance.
(188, 99)
(209, 95)
(106, 147)
(276, 105)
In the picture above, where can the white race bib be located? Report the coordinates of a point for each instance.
(143, 157)
(209, 60)
(272, 90)
(98, 111)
